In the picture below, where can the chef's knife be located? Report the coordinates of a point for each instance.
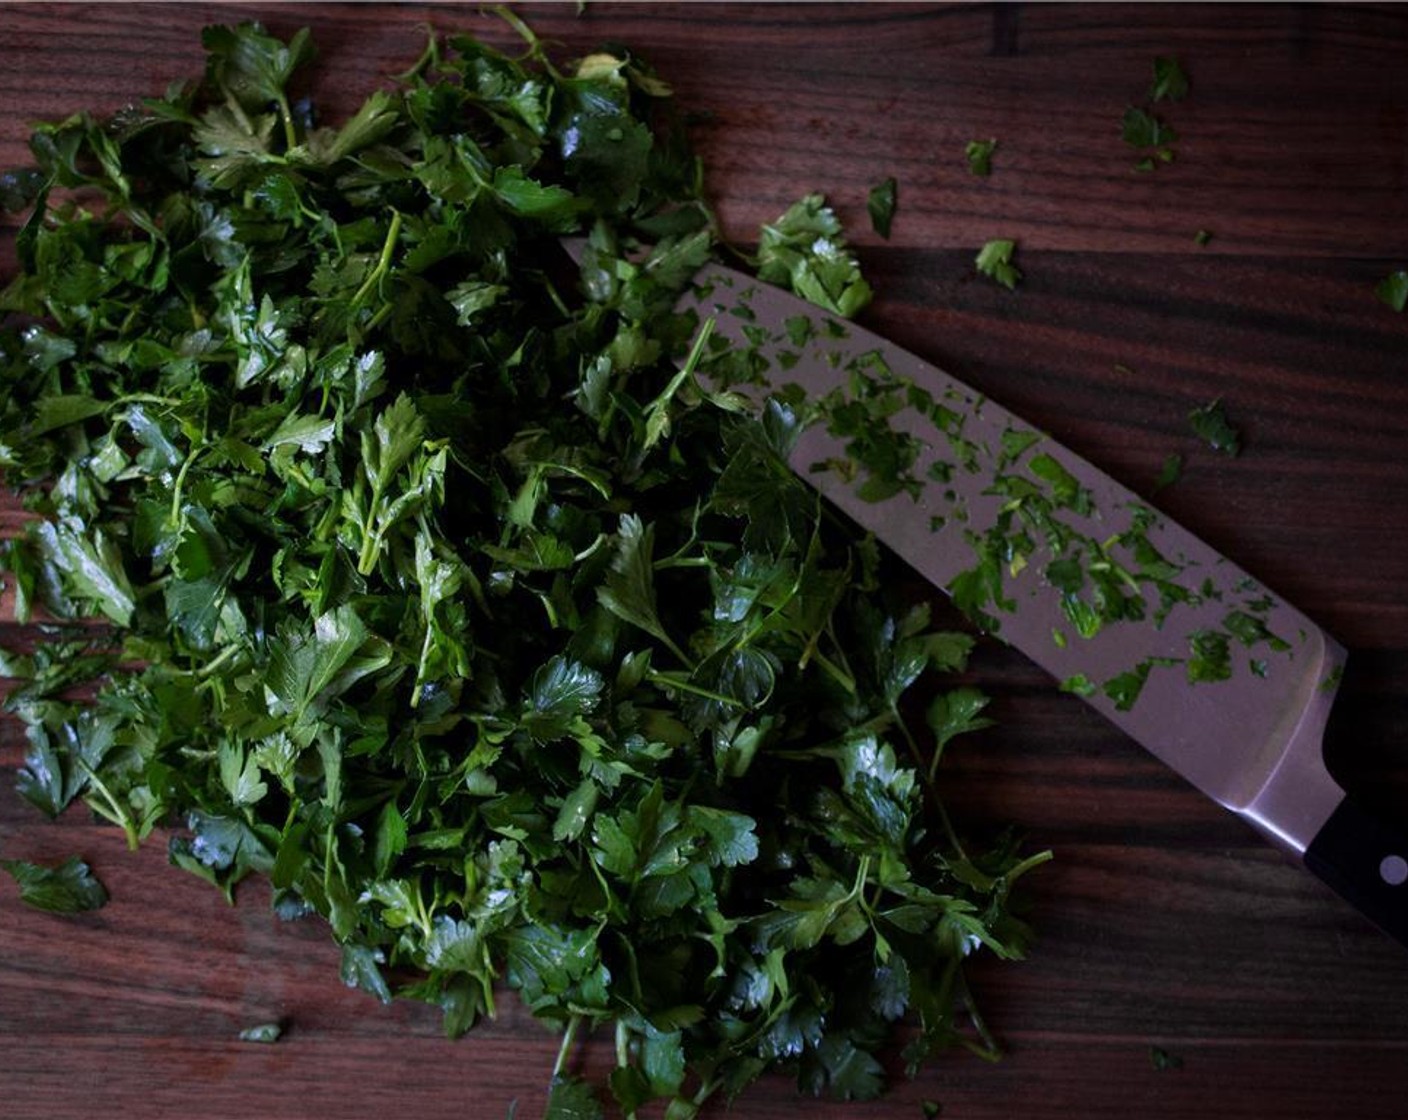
(1195, 659)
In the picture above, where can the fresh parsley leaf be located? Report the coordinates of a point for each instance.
(1209, 656)
(1142, 129)
(1210, 424)
(20, 188)
(956, 713)
(805, 251)
(629, 589)
(1393, 289)
(880, 204)
(90, 566)
(361, 968)
(1124, 688)
(979, 153)
(69, 888)
(1170, 472)
(572, 1099)
(1170, 82)
(995, 260)
(265, 1033)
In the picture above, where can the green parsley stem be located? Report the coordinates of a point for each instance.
(371, 547)
(1035, 860)
(706, 1090)
(623, 1044)
(862, 874)
(379, 318)
(568, 1035)
(286, 115)
(989, 1051)
(557, 300)
(623, 1055)
(928, 776)
(179, 485)
(218, 661)
(834, 671)
(383, 264)
(672, 680)
(682, 562)
(429, 59)
(112, 811)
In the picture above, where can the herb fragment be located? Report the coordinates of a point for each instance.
(1170, 472)
(1393, 289)
(994, 259)
(1210, 656)
(1210, 424)
(263, 1033)
(1162, 1060)
(69, 888)
(880, 204)
(1170, 82)
(979, 154)
(1202, 237)
(572, 1099)
(1124, 689)
(804, 250)
(1141, 128)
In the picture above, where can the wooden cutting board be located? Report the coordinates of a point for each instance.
(1165, 923)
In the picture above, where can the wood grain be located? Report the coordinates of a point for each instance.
(1163, 920)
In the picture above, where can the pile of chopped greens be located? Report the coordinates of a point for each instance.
(381, 548)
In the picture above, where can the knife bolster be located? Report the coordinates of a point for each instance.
(1365, 860)
(1299, 794)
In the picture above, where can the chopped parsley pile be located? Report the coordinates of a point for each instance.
(382, 549)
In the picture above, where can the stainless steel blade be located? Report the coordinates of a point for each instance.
(1057, 533)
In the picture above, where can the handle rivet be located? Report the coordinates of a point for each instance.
(1394, 870)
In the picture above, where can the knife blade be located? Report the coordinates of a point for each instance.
(1186, 652)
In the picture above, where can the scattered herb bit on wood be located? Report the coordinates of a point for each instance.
(69, 888)
(1202, 237)
(405, 567)
(1144, 129)
(1170, 472)
(1170, 82)
(1210, 424)
(881, 203)
(1393, 289)
(994, 260)
(1141, 129)
(1163, 1060)
(979, 153)
(265, 1033)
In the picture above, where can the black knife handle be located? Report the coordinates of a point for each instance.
(1365, 860)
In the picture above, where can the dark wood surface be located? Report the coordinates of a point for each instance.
(1164, 921)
